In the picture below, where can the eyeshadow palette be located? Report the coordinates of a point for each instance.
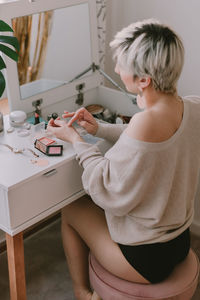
(48, 146)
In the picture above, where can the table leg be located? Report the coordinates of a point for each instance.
(16, 266)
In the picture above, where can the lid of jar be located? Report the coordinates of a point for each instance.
(17, 116)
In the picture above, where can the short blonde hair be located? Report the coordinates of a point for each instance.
(149, 48)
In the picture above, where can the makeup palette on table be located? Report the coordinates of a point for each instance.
(48, 146)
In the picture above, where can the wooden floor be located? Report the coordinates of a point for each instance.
(47, 276)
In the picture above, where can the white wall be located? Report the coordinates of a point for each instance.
(182, 15)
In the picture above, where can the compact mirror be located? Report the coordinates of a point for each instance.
(58, 40)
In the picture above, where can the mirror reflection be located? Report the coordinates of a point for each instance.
(54, 47)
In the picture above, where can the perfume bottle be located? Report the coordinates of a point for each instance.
(1, 122)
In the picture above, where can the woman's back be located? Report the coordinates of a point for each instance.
(147, 188)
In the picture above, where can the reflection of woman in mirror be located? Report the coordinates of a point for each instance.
(142, 190)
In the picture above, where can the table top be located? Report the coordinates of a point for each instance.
(16, 168)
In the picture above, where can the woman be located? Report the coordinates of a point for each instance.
(142, 191)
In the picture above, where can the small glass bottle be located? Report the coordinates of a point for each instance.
(1, 122)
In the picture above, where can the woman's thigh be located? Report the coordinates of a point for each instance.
(89, 222)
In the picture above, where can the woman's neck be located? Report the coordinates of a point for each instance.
(151, 98)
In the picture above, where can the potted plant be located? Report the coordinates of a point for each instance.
(13, 54)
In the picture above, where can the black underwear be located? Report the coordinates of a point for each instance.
(155, 262)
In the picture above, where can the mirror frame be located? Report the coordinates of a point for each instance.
(14, 9)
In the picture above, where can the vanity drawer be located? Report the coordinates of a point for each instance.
(38, 195)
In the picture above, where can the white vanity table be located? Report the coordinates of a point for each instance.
(28, 192)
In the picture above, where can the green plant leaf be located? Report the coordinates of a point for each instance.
(4, 26)
(9, 52)
(2, 63)
(11, 40)
(2, 84)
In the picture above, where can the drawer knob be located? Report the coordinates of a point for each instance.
(50, 173)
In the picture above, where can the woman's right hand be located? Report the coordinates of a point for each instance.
(83, 118)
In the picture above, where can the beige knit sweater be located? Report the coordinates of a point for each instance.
(146, 189)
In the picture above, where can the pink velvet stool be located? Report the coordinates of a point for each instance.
(180, 285)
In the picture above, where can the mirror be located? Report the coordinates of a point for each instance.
(59, 41)
(55, 46)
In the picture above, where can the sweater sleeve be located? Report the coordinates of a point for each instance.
(110, 132)
(109, 180)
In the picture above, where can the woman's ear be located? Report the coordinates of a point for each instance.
(144, 82)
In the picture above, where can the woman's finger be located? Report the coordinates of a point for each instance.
(67, 114)
(73, 119)
(78, 114)
(59, 122)
(51, 122)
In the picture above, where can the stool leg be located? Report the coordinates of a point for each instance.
(95, 296)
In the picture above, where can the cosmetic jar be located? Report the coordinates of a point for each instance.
(17, 118)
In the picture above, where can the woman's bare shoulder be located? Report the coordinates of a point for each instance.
(147, 126)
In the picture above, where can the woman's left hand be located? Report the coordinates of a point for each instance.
(62, 131)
